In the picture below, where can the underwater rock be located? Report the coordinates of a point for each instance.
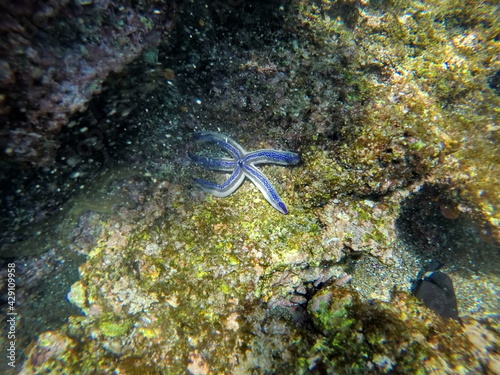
(435, 290)
(52, 351)
(360, 226)
(52, 65)
(370, 94)
(360, 337)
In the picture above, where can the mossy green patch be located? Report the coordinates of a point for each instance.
(359, 337)
(375, 96)
(113, 329)
(427, 107)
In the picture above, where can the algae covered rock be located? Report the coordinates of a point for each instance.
(383, 100)
(52, 352)
(373, 337)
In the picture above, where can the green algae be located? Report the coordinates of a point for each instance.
(113, 329)
(429, 109)
(199, 291)
(206, 289)
(359, 337)
(214, 238)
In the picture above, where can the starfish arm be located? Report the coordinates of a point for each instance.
(222, 164)
(227, 188)
(269, 156)
(266, 188)
(223, 141)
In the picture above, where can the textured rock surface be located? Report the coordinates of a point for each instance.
(392, 107)
(55, 57)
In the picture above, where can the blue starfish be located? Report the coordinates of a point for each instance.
(241, 165)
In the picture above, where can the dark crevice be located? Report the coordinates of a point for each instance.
(433, 227)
